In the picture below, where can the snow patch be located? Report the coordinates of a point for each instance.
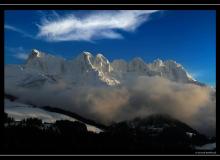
(190, 134)
(209, 146)
(20, 111)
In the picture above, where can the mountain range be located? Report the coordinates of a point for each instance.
(88, 70)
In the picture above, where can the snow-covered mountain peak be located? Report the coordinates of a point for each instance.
(87, 53)
(102, 63)
(44, 63)
(172, 63)
(158, 62)
(34, 54)
(101, 57)
(120, 65)
(87, 69)
(137, 60)
(180, 67)
(85, 56)
(136, 65)
(84, 61)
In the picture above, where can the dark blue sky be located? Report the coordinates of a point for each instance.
(188, 37)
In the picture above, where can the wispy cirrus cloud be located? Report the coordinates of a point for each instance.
(18, 52)
(96, 25)
(18, 30)
(22, 56)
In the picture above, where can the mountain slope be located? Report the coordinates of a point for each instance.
(20, 111)
(159, 129)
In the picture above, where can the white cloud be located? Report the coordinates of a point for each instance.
(22, 56)
(15, 29)
(19, 52)
(141, 97)
(96, 25)
(9, 27)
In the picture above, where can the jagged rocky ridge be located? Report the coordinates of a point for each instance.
(41, 69)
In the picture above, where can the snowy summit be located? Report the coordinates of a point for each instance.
(86, 69)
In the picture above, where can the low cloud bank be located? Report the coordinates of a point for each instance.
(140, 97)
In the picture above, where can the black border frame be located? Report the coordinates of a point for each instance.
(111, 7)
(110, 2)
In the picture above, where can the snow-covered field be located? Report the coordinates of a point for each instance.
(209, 146)
(21, 111)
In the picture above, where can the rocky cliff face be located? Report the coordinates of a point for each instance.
(86, 69)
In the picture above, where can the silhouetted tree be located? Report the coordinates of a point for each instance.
(8, 119)
(32, 122)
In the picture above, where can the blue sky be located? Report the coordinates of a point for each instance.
(188, 37)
